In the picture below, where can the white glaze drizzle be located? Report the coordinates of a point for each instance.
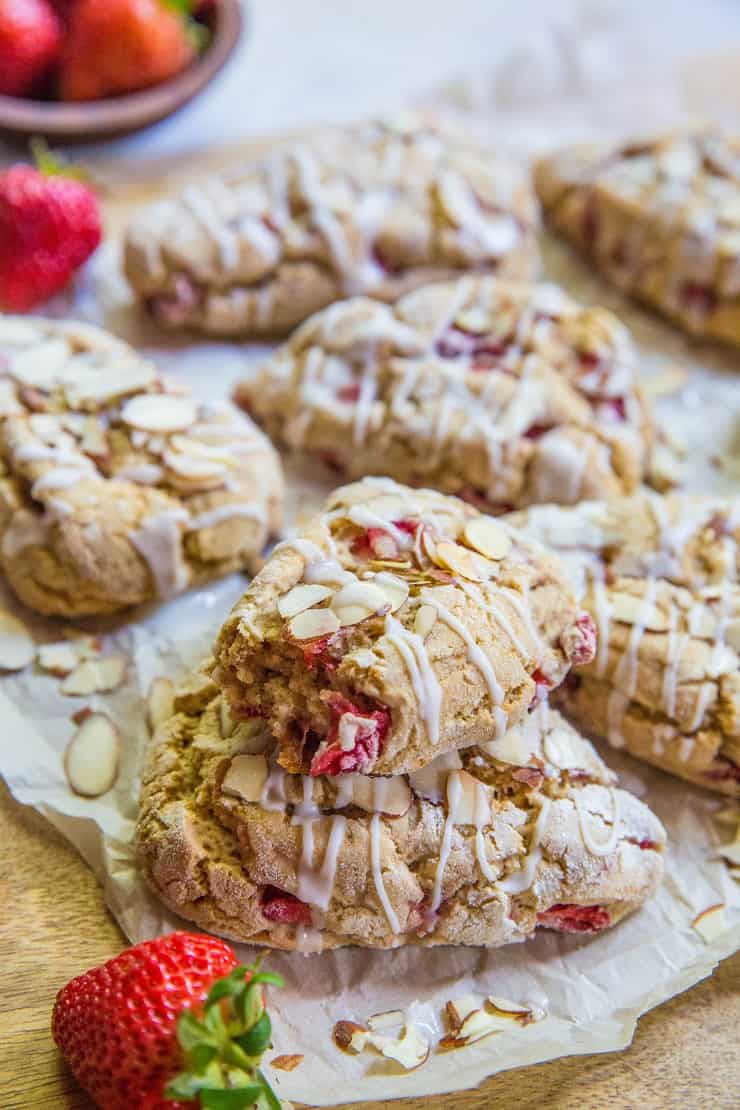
(159, 542)
(423, 679)
(375, 834)
(454, 794)
(475, 655)
(221, 513)
(598, 847)
(522, 880)
(481, 819)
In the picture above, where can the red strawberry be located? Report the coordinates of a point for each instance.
(128, 1027)
(124, 45)
(30, 38)
(49, 225)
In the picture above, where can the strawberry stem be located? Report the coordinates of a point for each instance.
(52, 164)
(223, 1047)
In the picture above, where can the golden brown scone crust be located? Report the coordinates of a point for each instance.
(117, 488)
(660, 577)
(505, 393)
(660, 218)
(378, 209)
(549, 841)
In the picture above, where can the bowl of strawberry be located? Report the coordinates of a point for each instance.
(80, 70)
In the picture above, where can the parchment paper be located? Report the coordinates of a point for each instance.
(592, 990)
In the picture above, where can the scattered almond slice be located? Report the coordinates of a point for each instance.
(487, 537)
(465, 810)
(57, 659)
(160, 702)
(314, 623)
(87, 647)
(395, 589)
(425, 620)
(711, 922)
(17, 648)
(473, 320)
(457, 1009)
(94, 676)
(246, 776)
(302, 597)
(476, 1025)
(459, 560)
(353, 614)
(523, 1015)
(193, 469)
(390, 1019)
(159, 412)
(94, 441)
(410, 1050)
(287, 1063)
(91, 758)
(350, 1036)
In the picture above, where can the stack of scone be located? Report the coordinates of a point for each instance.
(370, 758)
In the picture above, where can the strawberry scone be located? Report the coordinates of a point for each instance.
(661, 578)
(117, 487)
(660, 218)
(482, 847)
(377, 208)
(505, 393)
(399, 625)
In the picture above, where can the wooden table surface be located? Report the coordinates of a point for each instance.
(53, 925)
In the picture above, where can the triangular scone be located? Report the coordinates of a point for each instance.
(117, 486)
(480, 848)
(661, 218)
(376, 208)
(399, 625)
(505, 393)
(661, 578)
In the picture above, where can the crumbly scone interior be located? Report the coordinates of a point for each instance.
(480, 847)
(117, 486)
(506, 393)
(398, 625)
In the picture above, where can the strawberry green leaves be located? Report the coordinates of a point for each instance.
(224, 1046)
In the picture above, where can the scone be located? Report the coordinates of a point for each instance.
(661, 219)
(660, 577)
(480, 848)
(505, 393)
(399, 625)
(378, 208)
(115, 488)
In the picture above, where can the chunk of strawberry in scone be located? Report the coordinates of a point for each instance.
(283, 908)
(355, 739)
(579, 642)
(574, 919)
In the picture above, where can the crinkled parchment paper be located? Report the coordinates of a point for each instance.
(593, 990)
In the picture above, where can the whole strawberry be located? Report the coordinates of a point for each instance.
(30, 38)
(180, 1001)
(124, 45)
(49, 225)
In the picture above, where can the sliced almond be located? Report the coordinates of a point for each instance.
(350, 1036)
(353, 614)
(87, 387)
(487, 537)
(159, 412)
(390, 1019)
(391, 796)
(732, 634)
(360, 595)
(634, 610)
(457, 1009)
(430, 782)
(94, 441)
(17, 648)
(473, 320)
(711, 923)
(502, 1007)
(410, 1050)
(313, 624)
(300, 598)
(57, 659)
(92, 755)
(246, 777)
(193, 469)
(94, 676)
(160, 702)
(514, 747)
(87, 647)
(226, 718)
(476, 1026)
(250, 737)
(425, 620)
(287, 1062)
(395, 589)
(453, 557)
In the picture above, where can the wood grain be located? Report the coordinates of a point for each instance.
(53, 925)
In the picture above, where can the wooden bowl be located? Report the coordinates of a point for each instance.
(120, 115)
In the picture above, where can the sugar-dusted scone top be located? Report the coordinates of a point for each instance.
(116, 486)
(661, 578)
(400, 624)
(377, 208)
(661, 218)
(507, 393)
(480, 848)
